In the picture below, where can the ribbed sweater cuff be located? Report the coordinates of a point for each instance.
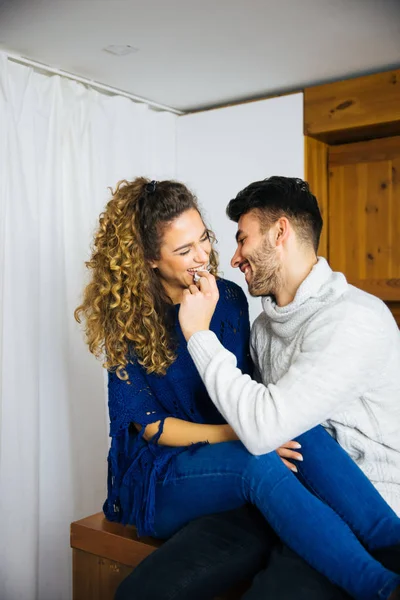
(202, 347)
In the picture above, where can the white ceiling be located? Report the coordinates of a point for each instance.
(199, 53)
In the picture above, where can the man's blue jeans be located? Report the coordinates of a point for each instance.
(324, 527)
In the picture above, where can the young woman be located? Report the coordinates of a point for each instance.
(169, 443)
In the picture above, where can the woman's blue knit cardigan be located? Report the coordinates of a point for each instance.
(134, 465)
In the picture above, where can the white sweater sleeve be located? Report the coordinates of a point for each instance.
(333, 369)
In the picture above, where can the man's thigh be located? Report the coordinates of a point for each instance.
(289, 577)
(204, 559)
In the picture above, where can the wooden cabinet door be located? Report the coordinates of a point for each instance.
(364, 216)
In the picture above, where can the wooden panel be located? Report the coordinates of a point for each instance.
(369, 104)
(96, 578)
(364, 217)
(111, 540)
(394, 214)
(85, 572)
(316, 173)
(386, 289)
(395, 308)
(371, 151)
(111, 575)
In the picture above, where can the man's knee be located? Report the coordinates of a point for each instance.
(142, 585)
(289, 577)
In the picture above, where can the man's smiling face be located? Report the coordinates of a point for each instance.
(256, 255)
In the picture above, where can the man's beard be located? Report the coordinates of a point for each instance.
(266, 279)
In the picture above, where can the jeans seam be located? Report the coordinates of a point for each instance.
(190, 475)
(230, 473)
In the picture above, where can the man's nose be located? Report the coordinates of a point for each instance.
(236, 259)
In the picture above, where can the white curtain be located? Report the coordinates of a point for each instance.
(61, 145)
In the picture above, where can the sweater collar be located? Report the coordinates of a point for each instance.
(320, 288)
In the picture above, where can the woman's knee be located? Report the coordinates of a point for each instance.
(251, 467)
(264, 472)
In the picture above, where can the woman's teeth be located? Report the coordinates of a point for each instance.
(195, 272)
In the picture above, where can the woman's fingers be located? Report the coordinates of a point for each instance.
(212, 282)
(197, 307)
(289, 450)
(290, 465)
(293, 444)
(193, 289)
(205, 286)
(288, 453)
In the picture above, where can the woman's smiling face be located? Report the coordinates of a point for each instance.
(185, 248)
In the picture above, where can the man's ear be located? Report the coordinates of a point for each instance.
(281, 231)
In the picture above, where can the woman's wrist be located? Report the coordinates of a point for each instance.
(228, 434)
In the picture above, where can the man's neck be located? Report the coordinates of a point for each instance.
(293, 275)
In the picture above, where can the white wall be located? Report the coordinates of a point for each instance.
(221, 151)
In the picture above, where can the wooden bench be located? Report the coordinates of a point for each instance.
(104, 553)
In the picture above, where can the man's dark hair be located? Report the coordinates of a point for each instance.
(277, 197)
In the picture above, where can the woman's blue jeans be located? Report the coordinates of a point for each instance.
(332, 527)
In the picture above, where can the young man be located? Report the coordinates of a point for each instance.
(325, 352)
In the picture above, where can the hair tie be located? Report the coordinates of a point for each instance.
(151, 187)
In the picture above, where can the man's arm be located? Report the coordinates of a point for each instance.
(333, 367)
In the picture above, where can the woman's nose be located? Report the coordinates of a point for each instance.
(201, 255)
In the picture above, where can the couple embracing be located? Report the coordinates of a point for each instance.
(201, 409)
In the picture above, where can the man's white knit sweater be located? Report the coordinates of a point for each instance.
(331, 356)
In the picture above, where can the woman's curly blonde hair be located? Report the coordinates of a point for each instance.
(125, 306)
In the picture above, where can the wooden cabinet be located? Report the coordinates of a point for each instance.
(360, 108)
(104, 553)
(358, 183)
(364, 215)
